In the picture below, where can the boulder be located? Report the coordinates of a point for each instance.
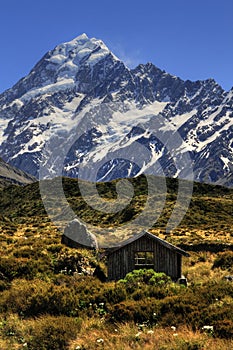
(79, 234)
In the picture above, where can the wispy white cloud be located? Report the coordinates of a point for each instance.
(129, 57)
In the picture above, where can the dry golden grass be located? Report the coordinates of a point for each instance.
(97, 335)
(24, 227)
(198, 267)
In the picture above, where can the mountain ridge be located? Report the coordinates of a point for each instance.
(82, 100)
(10, 175)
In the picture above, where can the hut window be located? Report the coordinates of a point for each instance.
(144, 259)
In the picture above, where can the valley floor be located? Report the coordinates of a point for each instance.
(45, 304)
(48, 302)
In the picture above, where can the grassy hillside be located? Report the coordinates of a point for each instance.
(48, 301)
(209, 217)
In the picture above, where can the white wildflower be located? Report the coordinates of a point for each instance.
(99, 341)
(208, 328)
(140, 326)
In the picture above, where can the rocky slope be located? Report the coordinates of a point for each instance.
(11, 175)
(82, 112)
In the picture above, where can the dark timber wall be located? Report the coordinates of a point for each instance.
(121, 261)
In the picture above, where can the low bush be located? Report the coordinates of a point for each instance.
(175, 310)
(139, 312)
(224, 261)
(214, 290)
(161, 291)
(144, 276)
(13, 267)
(217, 313)
(196, 308)
(55, 248)
(53, 333)
(68, 263)
(223, 329)
(114, 295)
(39, 297)
(4, 285)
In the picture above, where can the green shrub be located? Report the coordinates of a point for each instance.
(53, 333)
(159, 278)
(144, 276)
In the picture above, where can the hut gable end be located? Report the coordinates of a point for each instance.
(145, 250)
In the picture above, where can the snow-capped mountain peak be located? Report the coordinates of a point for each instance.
(81, 96)
(78, 51)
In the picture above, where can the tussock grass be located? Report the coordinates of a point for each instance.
(47, 302)
(209, 217)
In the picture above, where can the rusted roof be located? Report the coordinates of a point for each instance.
(150, 236)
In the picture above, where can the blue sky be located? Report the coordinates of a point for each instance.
(192, 39)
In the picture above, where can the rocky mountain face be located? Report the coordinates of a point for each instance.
(10, 175)
(82, 113)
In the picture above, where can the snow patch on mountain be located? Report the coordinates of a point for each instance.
(64, 84)
(3, 126)
(82, 96)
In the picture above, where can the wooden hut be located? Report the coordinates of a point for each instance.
(145, 250)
